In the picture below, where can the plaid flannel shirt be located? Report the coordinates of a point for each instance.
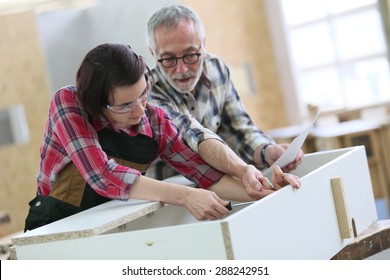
(69, 136)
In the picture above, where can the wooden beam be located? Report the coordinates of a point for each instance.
(370, 242)
(341, 208)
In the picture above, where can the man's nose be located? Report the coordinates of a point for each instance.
(181, 67)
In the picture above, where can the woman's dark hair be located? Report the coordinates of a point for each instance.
(105, 67)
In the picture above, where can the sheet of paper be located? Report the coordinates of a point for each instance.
(293, 149)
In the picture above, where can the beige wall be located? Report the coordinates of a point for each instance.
(236, 31)
(22, 80)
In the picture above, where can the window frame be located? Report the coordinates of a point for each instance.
(279, 32)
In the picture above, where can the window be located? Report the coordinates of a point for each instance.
(337, 52)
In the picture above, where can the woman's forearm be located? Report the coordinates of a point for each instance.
(230, 188)
(154, 190)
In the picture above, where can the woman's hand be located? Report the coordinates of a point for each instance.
(206, 205)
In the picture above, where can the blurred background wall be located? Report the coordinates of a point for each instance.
(41, 49)
(23, 80)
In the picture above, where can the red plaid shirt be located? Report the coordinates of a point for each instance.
(69, 136)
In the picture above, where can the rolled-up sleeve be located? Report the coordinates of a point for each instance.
(69, 137)
(174, 151)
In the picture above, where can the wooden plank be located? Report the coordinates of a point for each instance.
(341, 208)
(198, 240)
(372, 241)
(91, 222)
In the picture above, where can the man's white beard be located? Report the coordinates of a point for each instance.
(189, 74)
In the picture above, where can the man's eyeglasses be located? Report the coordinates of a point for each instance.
(130, 107)
(187, 59)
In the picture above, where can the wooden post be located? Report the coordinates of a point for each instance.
(341, 208)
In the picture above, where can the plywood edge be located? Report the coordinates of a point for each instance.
(227, 241)
(341, 208)
(12, 253)
(49, 237)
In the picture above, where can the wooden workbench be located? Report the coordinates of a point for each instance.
(371, 242)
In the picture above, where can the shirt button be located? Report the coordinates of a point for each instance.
(38, 203)
(192, 108)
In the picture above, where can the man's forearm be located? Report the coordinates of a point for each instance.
(221, 157)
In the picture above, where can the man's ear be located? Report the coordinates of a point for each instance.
(153, 54)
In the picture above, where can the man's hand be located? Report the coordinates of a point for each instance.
(256, 185)
(273, 152)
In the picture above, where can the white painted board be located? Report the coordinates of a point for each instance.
(289, 224)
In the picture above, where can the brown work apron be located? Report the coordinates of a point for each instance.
(71, 194)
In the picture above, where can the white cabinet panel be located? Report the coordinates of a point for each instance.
(289, 224)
